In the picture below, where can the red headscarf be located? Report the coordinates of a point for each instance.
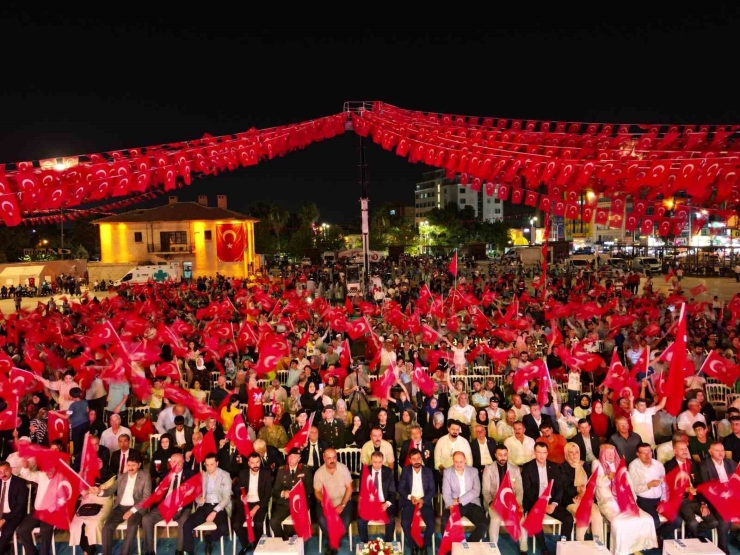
(599, 422)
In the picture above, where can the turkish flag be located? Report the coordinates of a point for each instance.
(454, 531)
(453, 265)
(416, 532)
(230, 242)
(58, 504)
(206, 445)
(9, 417)
(333, 521)
(90, 464)
(676, 481)
(248, 521)
(508, 508)
(625, 495)
(371, 508)
(238, 435)
(533, 523)
(58, 427)
(675, 382)
(718, 367)
(583, 512)
(299, 511)
(186, 493)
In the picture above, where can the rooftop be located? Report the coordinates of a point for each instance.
(176, 212)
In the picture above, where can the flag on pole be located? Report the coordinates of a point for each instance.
(453, 264)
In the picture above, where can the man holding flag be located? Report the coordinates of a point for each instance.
(416, 489)
(287, 477)
(377, 498)
(333, 479)
(253, 489)
(178, 475)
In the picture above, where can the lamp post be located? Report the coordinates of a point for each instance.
(533, 229)
(424, 231)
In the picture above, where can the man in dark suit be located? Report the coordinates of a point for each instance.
(272, 458)
(180, 475)
(287, 477)
(103, 460)
(585, 438)
(483, 449)
(119, 457)
(717, 467)
(385, 483)
(13, 504)
(182, 435)
(253, 488)
(312, 454)
(691, 507)
(416, 442)
(534, 419)
(533, 488)
(416, 488)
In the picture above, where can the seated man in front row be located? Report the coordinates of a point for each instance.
(416, 488)
(461, 486)
(385, 484)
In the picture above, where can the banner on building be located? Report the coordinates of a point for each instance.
(230, 242)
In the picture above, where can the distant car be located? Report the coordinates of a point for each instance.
(579, 263)
(647, 264)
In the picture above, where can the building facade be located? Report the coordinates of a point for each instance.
(436, 190)
(191, 233)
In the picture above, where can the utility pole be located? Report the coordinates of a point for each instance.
(61, 248)
(364, 202)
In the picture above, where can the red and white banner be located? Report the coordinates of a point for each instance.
(230, 242)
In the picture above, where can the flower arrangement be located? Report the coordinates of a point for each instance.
(380, 547)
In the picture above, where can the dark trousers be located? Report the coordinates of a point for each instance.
(238, 518)
(427, 515)
(24, 530)
(279, 513)
(109, 530)
(198, 518)
(25, 536)
(153, 517)
(688, 511)
(566, 525)
(78, 439)
(389, 528)
(650, 506)
(8, 530)
(345, 515)
(475, 514)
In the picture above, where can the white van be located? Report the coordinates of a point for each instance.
(158, 273)
(647, 264)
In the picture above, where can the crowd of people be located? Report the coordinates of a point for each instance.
(289, 353)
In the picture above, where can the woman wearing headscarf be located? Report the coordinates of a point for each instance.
(482, 418)
(160, 466)
(342, 414)
(201, 374)
(584, 407)
(435, 429)
(599, 421)
(629, 533)
(575, 477)
(403, 427)
(311, 399)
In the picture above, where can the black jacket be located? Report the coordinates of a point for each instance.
(387, 482)
(531, 483)
(264, 486)
(273, 460)
(427, 453)
(595, 445)
(321, 445)
(475, 448)
(568, 476)
(17, 495)
(532, 429)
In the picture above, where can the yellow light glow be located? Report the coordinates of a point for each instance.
(668, 203)
(122, 250)
(106, 242)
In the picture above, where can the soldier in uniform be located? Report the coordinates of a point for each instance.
(272, 434)
(287, 477)
(331, 430)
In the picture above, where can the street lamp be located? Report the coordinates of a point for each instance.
(533, 225)
(424, 230)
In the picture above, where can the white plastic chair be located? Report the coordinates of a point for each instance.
(166, 526)
(210, 527)
(35, 532)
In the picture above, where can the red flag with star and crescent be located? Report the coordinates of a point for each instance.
(230, 242)
(454, 531)
(299, 511)
(238, 435)
(508, 508)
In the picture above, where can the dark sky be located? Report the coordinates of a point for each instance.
(119, 75)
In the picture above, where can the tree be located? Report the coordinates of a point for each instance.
(277, 217)
(309, 214)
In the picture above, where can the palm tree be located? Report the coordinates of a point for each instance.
(277, 217)
(309, 214)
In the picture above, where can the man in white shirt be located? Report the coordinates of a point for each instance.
(131, 489)
(463, 413)
(385, 485)
(109, 438)
(520, 446)
(516, 405)
(688, 418)
(648, 482)
(255, 487)
(166, 418)
(450, 444)
(461, 487)
(642, 419)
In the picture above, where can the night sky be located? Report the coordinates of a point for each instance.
(122, 75)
